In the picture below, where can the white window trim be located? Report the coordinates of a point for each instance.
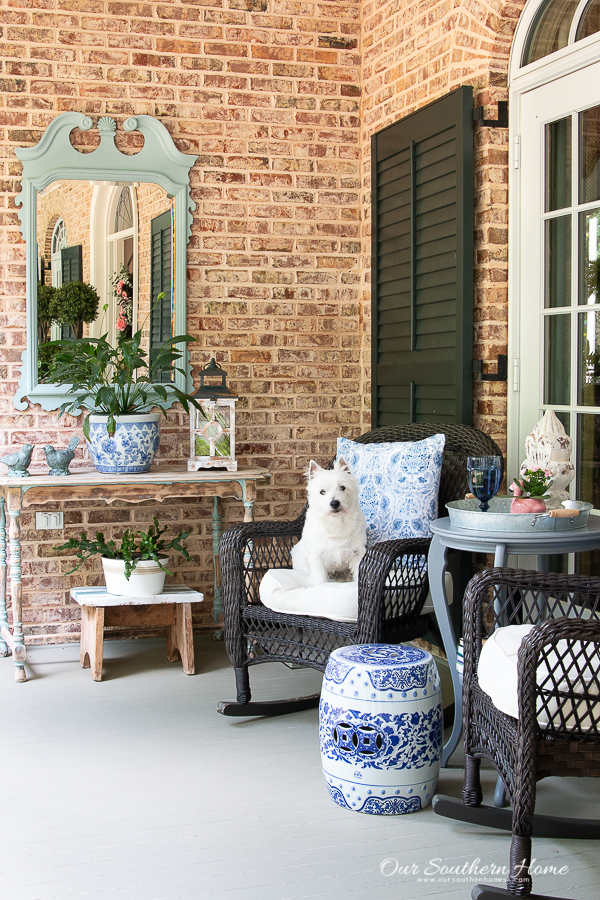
(521, 79)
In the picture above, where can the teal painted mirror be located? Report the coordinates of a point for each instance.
(119, 222)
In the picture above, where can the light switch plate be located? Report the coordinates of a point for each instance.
(50, 520)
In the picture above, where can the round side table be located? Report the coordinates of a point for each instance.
(501, 544)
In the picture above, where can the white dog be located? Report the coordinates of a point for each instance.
(334, 536)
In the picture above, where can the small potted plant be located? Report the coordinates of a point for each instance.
(135, 566)
(119, 387)
(531, 491)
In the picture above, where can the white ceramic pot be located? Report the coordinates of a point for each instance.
(132, 447)
(146, 580)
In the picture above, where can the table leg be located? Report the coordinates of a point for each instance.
(437, 567)
(249, 500)
(183, 638)
(500, 556)
(92, 640)
(4, 651)
(14, 532)
(217, 529)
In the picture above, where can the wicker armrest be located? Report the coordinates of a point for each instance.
(561, 681)
(236, 537)
(385, 567)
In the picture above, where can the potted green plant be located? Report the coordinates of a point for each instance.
(119, 387)
(74, 303)
(135, 566)
(531, 491)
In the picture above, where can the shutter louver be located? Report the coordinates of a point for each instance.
(422, 265)
(161, 315)
(71, 263)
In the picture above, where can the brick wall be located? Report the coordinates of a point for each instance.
(413, 54)
(266, 93)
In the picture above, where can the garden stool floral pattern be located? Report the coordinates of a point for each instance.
(381, 728)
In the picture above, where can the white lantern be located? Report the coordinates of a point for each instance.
(212, 427)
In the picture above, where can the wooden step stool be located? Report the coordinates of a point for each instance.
(172, 610)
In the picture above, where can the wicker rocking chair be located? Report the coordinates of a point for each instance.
(392, 583)
(557, 731)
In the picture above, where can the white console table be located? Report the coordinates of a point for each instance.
(160, 483)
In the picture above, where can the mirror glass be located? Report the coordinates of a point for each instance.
(116, 237)
(106, 235)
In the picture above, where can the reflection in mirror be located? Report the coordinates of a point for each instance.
(117, 239)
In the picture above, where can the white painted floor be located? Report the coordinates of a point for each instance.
(136, 789)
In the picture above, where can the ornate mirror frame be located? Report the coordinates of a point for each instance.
(54, 158)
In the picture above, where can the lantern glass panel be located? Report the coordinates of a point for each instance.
(222, 446)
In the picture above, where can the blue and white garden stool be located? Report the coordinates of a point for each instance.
(381, 728)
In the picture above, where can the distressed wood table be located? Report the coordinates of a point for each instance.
(171, 610)
(160, 483)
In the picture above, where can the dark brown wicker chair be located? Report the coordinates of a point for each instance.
(562, 608)
(392, 582)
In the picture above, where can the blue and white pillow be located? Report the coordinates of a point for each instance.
(399, 484)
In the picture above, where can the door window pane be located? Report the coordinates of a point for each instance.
(557, 360)
(588, 386)
(558, 165)
(588, 257)
(587, 467)
(589, 155)
(557, 256)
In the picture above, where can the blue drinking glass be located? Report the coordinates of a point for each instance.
(484, 474)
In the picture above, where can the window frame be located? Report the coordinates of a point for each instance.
(522, 79)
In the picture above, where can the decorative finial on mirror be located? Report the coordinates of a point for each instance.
(106, 125)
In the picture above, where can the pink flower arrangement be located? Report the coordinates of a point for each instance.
(123, 291)
(535, 481)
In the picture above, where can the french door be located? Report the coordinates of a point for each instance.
(559, 288)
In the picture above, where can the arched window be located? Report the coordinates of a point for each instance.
(59, 242)
(559, 23)
(124, 211)
(554, 233)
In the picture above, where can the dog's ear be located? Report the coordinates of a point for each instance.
(312, 470)
(342, 464)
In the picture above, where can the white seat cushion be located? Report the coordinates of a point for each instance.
(497, 673)
(287, 591)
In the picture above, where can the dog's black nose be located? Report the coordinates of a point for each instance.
(335, 505)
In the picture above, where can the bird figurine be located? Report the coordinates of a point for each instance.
(18, 461)
(59, 460)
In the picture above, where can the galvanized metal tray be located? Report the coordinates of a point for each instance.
(467, 515)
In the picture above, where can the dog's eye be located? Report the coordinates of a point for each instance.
(342, 488)
(321, 492)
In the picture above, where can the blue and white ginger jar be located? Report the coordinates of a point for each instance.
(132, 447)
(381, 728)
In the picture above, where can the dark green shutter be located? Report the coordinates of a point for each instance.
(71, 265)
(422, 265)
(161, 315)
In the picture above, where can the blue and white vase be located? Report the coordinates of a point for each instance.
(381, 728)
(132, 447)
